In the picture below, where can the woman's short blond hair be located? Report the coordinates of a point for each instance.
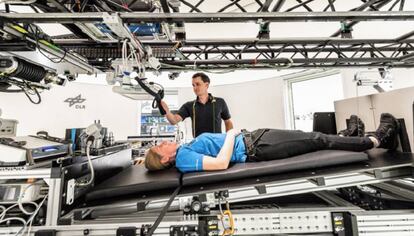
(153, 161)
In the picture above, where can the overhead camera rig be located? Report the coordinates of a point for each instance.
(19, 75)
(29, 37)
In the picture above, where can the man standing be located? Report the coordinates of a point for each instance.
(206, 111)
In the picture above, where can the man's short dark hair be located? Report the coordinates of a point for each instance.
(203, 77)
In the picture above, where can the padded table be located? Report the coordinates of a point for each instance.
(137, 180)
(254, 169)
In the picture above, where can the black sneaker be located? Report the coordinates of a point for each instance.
(355, 127)
(387, 132)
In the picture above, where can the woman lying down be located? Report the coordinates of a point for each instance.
(212, 151)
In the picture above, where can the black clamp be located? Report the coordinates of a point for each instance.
(144, 230)
(49, 232)
(126, 231)
(197, 207)
(221, 194)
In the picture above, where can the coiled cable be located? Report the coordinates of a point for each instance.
(28, 71)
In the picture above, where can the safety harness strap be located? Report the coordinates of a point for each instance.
(250, 140)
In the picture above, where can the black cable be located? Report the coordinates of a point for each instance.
(164, 211)
(5, 84)
(158, 96)
(34, 8)
(28, 71)
(36, 34)
(24, 88)
(39, 98)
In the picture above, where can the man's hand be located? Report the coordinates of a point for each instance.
(172, 118)
(165, 106)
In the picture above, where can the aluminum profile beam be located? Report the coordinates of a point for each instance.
(127, 17)
(230, 5)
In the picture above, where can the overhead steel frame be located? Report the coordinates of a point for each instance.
(298, 53)
(133, 17)
(291, 54)
(283, 5)
(261, 53)
(199, 6)
(306, 5)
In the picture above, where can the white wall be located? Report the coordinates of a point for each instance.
(252, 105)
(119, 114)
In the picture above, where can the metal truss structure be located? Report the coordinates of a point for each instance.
(265, 54)
(175, 52)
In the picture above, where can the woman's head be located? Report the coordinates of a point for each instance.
(161, 156)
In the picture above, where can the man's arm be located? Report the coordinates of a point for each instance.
(225, 115)
(221, 162)
(172, 118)
(229, 124)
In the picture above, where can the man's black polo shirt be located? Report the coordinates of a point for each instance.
(204, 117)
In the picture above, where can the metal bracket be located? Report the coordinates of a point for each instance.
(378, 174)
(144, 229)
(202, 197)
(319, 181)
(141, 206)
(126, 231)
(261, 189)
(70, 192)
(221, 194)
(115, 23)
(184, 230)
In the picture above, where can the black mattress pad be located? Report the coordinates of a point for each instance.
(254, 169)
(137, 180)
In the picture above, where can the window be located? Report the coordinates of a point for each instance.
(312, 92)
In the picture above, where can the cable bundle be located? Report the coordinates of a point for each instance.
(28, 71)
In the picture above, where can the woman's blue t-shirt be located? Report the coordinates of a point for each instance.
(189, 156)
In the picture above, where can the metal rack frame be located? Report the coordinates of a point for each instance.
(55, 185)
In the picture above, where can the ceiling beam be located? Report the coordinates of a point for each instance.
(93, 17)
